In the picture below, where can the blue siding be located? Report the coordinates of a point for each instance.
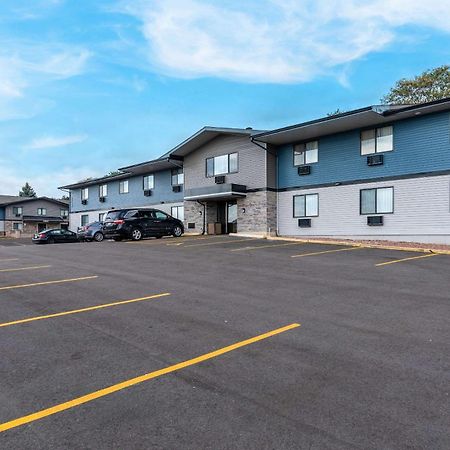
(135, 197)
(421, 144)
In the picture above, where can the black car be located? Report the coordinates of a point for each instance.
(54, 236)
(138, 223)
(91, 232)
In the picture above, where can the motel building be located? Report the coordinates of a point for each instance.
(380, 172)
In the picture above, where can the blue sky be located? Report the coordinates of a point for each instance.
(89, 86)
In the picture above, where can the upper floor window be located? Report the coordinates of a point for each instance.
(103, 190)
(17, 210)
(221, 165)
(377, 201)
(84, 193)
(306, 153)
(123, 187)
(64, 212)
(377, 140)
(149, 182)
(42, 211)
(306, 205)
(177, 212)
(177, 176)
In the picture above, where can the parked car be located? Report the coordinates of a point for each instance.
(138, 223)
(54, 236)
(91, 232)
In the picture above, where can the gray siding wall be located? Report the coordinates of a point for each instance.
(421, 212)
(30, 208)
(252, 163)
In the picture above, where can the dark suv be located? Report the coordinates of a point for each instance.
(138, 223)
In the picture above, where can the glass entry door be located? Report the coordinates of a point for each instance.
(232, 217)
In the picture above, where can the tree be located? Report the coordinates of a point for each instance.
(113, 173)
(433, 84)
(27, 191)
(335, 113)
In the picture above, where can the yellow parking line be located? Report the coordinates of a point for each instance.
(9, 259)
(133, 381)
(265, 246)
(220, 242)
(326, 251)
(406, 259)
(76, 311)
(24, 268)
(42, 283)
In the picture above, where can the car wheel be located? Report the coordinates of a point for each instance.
(98, 237)
(136, 234)
(177, 231)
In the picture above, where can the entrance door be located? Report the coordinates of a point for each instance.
(222, 216)
(41, 227)
(232, 217)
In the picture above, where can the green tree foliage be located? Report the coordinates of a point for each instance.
(433, 84)
(27, 191)
(336, 112)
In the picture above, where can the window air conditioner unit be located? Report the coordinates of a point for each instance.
(84, 202)
(18, 215)
(220, 179)
(176, 188)
(147, 192)
(102, 199)
(375, 160)
(191, 225)
(304, 170)
(375, 221)
(304, 223)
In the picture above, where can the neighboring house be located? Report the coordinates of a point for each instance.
(380, 172)
(24, 216)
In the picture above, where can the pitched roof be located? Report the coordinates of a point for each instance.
(6, 200)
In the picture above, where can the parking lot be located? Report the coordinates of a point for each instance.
(223, 342)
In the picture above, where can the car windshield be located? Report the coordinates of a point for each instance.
(114, 215)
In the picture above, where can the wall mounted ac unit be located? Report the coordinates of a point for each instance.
(102, 199)
(304, 170)
(147, 192)
(374, 221)
(220, 179)
(304, 223)
(84, 202)
(176, 188)
(375, 160)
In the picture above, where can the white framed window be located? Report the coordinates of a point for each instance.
(64, 212)
(101, 217)
(17, 210)
(17, 226)
(306, 153)
(84, 219)
(306, 205)
(177, 212)
(149, 182)
(84, 193)
(377, 140)
(222, 165)
(42, 211)
(377, 201)
(123, 187)
(103, 190)
(177, 176)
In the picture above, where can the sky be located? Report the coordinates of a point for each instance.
(89, 86)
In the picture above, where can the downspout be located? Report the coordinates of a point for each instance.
(204, 216)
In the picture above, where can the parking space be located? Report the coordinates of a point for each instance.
(198, 340)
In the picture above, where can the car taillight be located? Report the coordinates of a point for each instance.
(42, 235)
(119, 221)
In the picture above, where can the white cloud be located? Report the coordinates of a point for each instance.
(281, 41)
(55, 141)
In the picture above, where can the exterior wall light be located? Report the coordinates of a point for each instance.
(243, 210)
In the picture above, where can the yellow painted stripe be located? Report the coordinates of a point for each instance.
(9, 259)
(23, 268)
(326, 251)
(90, 308)
(265, 246)
(220, 242)
(133, 381)
(405, 259)
(43, 283)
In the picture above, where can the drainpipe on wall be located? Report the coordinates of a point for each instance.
(204, 216)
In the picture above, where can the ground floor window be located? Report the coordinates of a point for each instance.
(306, 205)
(17, 226)
(101, 217)
(84, 219)
(177, 212)
(377, 201)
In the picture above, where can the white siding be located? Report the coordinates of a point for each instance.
(421, 212)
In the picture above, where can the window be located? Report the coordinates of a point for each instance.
(17, 210)
(377, 140)
(149, 182)
(177, 212)
(17, 226)
(160, 215)
(42, 211)
(306, 205)
(177, 176)
(101, 217)
(103, 190)
(132, 213)
(221, 165)
(64, 212)
(377, 201)
(123, 187)
(84, 193)
(84, 219)
(307, 153)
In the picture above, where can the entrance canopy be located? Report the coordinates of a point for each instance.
(216, 192)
